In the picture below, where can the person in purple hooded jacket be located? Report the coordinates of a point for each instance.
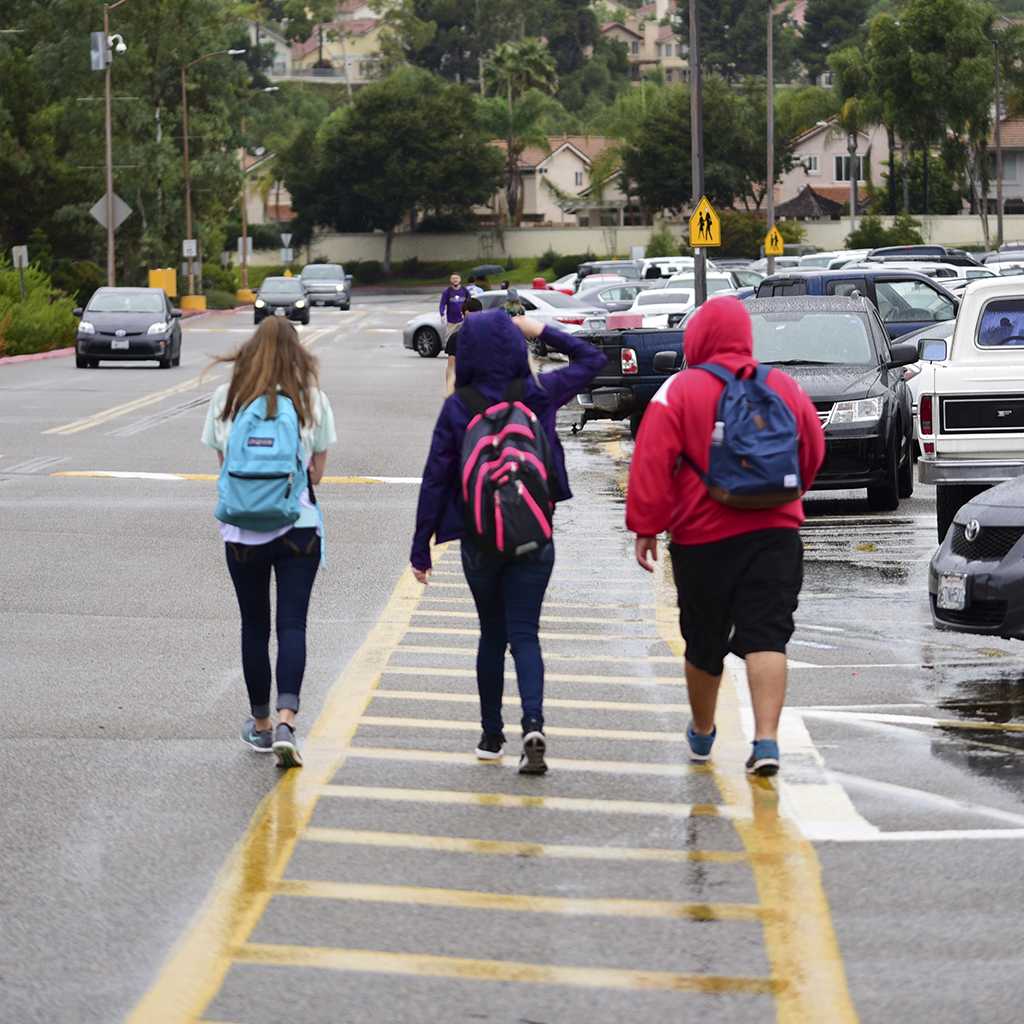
(508, 594)
(453, 298)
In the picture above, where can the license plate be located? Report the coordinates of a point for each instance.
(123, 343)
(279, 311)
(952, 594)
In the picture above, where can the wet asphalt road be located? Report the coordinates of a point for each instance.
(364, 888)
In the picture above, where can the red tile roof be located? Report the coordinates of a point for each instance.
(1012, 131)
(591, 146)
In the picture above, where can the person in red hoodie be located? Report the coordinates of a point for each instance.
(738, 571)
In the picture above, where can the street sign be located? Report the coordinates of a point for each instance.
(287, 255)
(774, 244)
(705, 227)
(19, 257)
(99, 51)
(122, 211)
(286, 238)
(189, 248)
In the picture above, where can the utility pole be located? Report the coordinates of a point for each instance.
(700, 269)
(770, 179)
(851, 148)
(188, 175)
(109, 152)
(999, 151)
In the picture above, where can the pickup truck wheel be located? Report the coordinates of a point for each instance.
(886, 497)
(949, 499)
(427, 342)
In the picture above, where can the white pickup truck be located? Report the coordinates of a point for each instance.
(970, 415)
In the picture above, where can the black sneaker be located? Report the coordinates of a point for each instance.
(490, 746)
(531, 761)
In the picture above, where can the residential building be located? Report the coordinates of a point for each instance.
(822, 160)
(651, 42)
(261, 34)
(1011, 130)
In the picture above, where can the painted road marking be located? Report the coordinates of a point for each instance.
(466, 899)
(587, 620)
(112, 474)
(552, 702)
(603, 639)
(449, 725)
(502, 848)
(573, 764)
(554, 677)
(426, 966)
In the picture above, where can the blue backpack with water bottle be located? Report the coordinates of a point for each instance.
(755, 444)
(264, 472)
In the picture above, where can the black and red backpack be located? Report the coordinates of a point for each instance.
(506, 473)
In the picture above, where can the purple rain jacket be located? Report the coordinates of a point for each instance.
(452, 301)
(492, 352)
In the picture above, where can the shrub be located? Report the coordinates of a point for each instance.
(218, 278)
(217, 299)
(410, 267)
(662, 243)
(872, 233)
(792, 231)
(567, 264)
(547, 260)
(510, 263)
(42, 321)
(367, 271)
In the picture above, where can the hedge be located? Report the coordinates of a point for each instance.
(42, 321)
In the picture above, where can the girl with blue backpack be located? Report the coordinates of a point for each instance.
(271, 427)
(493, 476)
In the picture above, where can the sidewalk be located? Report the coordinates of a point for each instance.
(394, 873)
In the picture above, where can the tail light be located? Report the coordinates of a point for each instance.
(578, 320)
(630, 366)
(924, 412)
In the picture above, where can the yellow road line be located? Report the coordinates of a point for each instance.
(589, 638)
(466, 899)
(423, 965)
(448, 725)
(549, 702)
(617, 609)
(500, 848)
(660, 659)
(197, 965)
(551, 677)
(458, 798)
(588, 620)
(568, 764)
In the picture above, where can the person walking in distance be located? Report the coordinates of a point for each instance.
(271, 427)
(451, 347)
(453, 298)
(724, 453)
(493, 475)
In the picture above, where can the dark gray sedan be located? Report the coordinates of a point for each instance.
(128, 323)
(976, 578)
(282, 296)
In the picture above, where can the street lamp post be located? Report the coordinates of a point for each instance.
(771, 131)
(697, 149)
(108, 144)
(851, 148)
(184, 130)
(999, 151)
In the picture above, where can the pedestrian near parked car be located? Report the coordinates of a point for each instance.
(473, 287)
(738, 570)
(451, 347)
(453, 298)
(271, 410)
(495, 389)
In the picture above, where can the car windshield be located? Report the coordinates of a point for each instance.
(622, 269)
(663, 297)
(1002, 323)
(112, 300)
(323, 272)
(816, 261)
(715, 284)
(282, 285)
(792, 337)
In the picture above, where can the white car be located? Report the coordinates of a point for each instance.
(936, 271)
(819, 260)
(663, 307)
(566, 284)
(668, 265)
(845, 257)
(718, 280)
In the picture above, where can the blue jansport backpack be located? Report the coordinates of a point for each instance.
(264, 473)
(755, 459)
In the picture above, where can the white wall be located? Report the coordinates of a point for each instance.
(954, 230)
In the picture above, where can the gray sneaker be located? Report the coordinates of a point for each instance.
(261, 742)
(286, 747)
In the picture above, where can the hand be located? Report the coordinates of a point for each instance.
(422, 575)
(531, 328)
(646, 546)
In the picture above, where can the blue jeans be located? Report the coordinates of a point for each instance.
(294, 559)
(508, 597)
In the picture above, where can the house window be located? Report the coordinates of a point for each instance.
(810, 164)
(842, 168)
(635, 47)
(680, 50)
(579, 179)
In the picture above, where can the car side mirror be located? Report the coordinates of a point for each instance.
(932, 350)
(666, 362)
(903, 353)
(77, 311)
(348, 279)
(176, 314)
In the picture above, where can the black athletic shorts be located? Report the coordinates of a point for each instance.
(738, 595)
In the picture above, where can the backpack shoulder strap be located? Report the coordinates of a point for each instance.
(716, 371)
(473, 400)
(516, 390)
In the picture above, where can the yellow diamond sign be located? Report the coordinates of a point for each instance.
(705, 227)
(774, 244)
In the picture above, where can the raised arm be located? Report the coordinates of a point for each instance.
(585, 361)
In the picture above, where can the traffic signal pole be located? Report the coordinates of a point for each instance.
(770, 178)
(700, 279)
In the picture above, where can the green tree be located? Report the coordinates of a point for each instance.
(828, 26)
(516, 67)
(377, 160)
(799, 109)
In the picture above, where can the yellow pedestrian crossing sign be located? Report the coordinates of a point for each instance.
(705, 227)
(774, 244)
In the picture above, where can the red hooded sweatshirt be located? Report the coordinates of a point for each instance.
(666, 493)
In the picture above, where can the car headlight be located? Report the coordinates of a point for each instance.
(158, 328)
(299, 303)
(259, 303)
(84, 327)
(339, 287)
(864, 410)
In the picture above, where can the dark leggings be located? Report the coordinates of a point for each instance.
(295, 559)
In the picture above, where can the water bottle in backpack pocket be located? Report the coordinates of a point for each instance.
(264, 472)
(754, 460)
(505, 474)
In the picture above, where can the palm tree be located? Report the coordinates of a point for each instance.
(521, 76)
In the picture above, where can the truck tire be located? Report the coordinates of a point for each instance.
(949, 499)
(886, 497)
(907, 473)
